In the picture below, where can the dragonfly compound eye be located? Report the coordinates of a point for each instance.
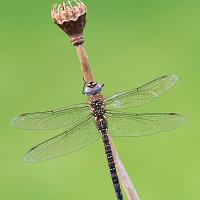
(98, 88)
(93, 90)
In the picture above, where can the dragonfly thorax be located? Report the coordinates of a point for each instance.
(97, 108)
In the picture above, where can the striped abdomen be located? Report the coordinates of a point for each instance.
(98, 111)
(111, 163)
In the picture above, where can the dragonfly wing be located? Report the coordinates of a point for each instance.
(143, 94)
(51, 119)
(129, 124)
(76, 138)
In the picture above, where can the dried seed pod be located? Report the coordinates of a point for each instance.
(71, 18)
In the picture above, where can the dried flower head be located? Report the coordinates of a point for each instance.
(71, 19)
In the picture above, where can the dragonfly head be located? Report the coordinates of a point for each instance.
(93, 88)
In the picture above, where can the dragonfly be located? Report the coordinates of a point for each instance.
(99, 118)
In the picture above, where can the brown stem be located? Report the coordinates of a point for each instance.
(87, 73)
(123, 175)
(74, 28)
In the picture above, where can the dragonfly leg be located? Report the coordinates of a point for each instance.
(83, 90)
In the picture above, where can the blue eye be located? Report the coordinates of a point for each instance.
(90, 91)
(98, 88)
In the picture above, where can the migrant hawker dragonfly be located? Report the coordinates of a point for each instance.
(107, 116)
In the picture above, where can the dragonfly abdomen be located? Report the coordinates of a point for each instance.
(111, 163)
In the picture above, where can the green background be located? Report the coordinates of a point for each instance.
(129, 43)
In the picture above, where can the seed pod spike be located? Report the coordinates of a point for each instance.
(70, 4)
(64, 6)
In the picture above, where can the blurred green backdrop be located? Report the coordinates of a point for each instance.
(129, 43)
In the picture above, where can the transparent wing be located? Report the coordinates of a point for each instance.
(129, 124)
(76, 138)
(51, 119)
(141, 95)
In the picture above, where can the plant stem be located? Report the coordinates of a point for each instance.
(123, 175)
(72, 21)
(87, 73)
